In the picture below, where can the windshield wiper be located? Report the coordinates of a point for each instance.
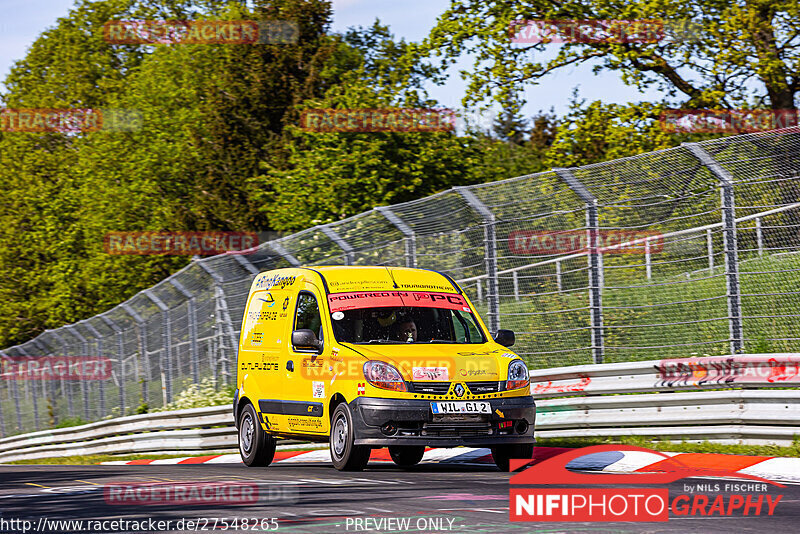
(441, 341)
(379, 341)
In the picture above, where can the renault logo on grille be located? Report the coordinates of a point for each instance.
(458, 390)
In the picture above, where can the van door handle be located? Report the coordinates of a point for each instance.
(290, 366)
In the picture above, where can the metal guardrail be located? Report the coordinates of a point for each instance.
(180, 430)
(690, 398)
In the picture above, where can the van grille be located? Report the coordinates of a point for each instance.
(431, 388)
(479, 388)
(457, 429)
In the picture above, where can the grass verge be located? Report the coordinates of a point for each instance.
(95, 459)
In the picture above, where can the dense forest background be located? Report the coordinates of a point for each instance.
(219, 147)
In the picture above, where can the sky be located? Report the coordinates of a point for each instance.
(21, 21)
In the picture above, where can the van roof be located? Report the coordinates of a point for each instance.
(342, 279)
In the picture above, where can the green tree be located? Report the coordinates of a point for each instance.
(326, 177)
(738, 53)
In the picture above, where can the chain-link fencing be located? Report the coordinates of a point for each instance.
(686, 251)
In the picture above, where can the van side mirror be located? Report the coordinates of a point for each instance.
(306, 339)
(505, 337)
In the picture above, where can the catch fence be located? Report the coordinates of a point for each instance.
(686, 251)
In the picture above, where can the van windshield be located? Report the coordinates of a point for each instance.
(403, 317)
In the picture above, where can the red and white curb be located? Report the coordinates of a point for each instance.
(771, 468)
(461, 455)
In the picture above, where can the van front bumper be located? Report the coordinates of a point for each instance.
(416, 425)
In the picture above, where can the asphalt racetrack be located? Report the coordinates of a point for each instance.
(305, 498)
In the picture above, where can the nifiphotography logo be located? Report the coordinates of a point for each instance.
(536, 494)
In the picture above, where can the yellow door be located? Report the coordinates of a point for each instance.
(306, 377)
(264, 332)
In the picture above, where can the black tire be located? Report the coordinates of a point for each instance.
(406, 455)
(345, 455)
(503, 453)
(256, 447)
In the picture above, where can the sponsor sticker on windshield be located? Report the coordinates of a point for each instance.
(389, 299)
(430, 373)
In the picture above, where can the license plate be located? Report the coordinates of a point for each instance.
(461, 407)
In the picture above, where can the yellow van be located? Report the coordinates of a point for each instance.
(371, 357)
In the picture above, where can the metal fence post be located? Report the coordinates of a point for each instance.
(72, 329)
(729, 241)
(410, 239)
(710, 247)
(277, 247)
(49, 386)
(66, 390)
(121, 358)
(15, 388)
(166, 352)
(192, 318)
(15, 391)
(223, 321)
(34, 392)
(349, 256)
(559, 284)
(142, 327)
(759, 237)
(595, 261)
(102, 386)
(490, 243)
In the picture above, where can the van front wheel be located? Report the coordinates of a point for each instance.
(503, 454)
(345, 454)
(256, 447)
(406, 455)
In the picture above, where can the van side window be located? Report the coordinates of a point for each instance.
(308, 314)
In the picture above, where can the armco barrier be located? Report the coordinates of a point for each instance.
(735, 399)
(688, 398)
(187, 431)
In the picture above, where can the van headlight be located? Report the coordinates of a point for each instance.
(518, 376)
(384, 376)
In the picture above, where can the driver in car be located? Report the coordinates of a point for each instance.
(404, 330)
